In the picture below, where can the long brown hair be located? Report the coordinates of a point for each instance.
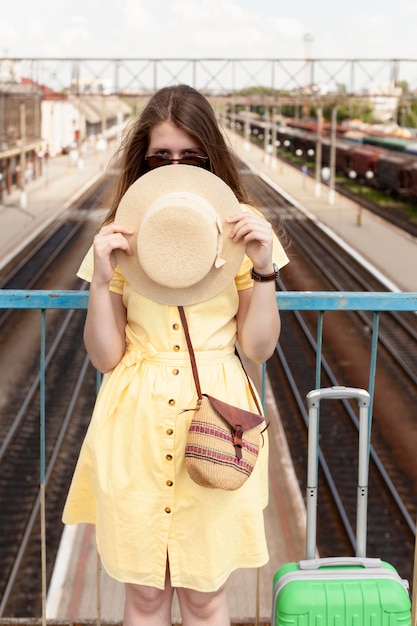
(189, 110)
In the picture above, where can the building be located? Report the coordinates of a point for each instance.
(38, 122)
(20, 133)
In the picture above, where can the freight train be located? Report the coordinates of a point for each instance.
(385, 163)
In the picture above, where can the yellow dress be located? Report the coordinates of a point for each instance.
(131, 480)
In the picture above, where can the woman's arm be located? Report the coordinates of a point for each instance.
(258, 320)
(104, 331)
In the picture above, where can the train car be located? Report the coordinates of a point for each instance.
(343, 157)
(304, 142)
(311, 126)
(411, 148)
(325, 151)
(308, 125)
(355, 136)
(393, 175)
(397, 144)
(342, 154)
(364, 160)
(411, 169)
(290, 138)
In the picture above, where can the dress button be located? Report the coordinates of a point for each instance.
(169, 457)
(176, 348)
(169, 483)
(175, 326)
(170, 431)
(167, 509)
(171, 402)
(175, 371)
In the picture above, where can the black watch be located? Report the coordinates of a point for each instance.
(265, 278)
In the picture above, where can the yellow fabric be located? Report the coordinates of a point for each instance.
(131, 480)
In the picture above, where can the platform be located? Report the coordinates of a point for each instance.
(47, 198)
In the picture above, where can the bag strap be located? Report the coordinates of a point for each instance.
(249, 383)
(194, 364)
(191, 351)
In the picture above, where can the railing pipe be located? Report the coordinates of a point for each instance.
(286, 300)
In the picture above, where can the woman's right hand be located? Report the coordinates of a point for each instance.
(104, 332)
(109, 239)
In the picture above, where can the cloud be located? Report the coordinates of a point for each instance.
(8, 36)
(76, 32)
(149, 28)
(137, 17)
(206, 28)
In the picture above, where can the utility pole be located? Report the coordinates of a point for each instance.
(318, 151)
(332, 155)
(273, 137)
(23, 198)
(308, 42)
(246, 128)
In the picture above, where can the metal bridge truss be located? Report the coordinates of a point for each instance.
(216, 76)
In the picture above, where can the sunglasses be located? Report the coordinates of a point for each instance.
(192, 159)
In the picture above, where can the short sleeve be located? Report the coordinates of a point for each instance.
(86, 271)
(243, 279)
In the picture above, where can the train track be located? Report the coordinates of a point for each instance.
(71, 392)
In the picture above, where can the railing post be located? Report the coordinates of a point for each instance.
(42, 430)
(319, 342)
(372, 366)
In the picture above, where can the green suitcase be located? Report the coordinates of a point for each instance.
(339, 591)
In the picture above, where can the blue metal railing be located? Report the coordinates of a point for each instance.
(286, 301)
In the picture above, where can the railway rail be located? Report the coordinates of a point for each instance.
(317, 264)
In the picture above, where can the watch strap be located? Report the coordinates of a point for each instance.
(265, 278)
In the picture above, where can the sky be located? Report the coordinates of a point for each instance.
(209, 28)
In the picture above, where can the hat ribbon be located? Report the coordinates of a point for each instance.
(219, 262)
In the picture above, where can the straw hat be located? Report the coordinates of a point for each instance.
(182, 253)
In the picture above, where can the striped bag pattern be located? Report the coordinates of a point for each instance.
(222, 444)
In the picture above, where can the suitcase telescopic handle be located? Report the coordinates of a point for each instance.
(340, 561)
(338, 392)
(313, 402)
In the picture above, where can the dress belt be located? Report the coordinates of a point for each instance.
(133, 359)
(181, 358)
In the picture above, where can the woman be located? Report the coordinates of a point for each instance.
(157, 531)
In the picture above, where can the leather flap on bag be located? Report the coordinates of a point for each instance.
(235, 416)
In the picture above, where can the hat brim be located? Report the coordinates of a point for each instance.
(142, 194)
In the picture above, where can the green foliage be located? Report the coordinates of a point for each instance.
(258, 91)
(351, 109)
(379, 197)
(404, 86)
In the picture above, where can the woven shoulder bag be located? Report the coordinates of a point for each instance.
(223, 441)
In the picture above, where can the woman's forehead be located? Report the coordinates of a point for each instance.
(166, 133)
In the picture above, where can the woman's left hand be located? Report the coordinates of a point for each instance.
(256, 232)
